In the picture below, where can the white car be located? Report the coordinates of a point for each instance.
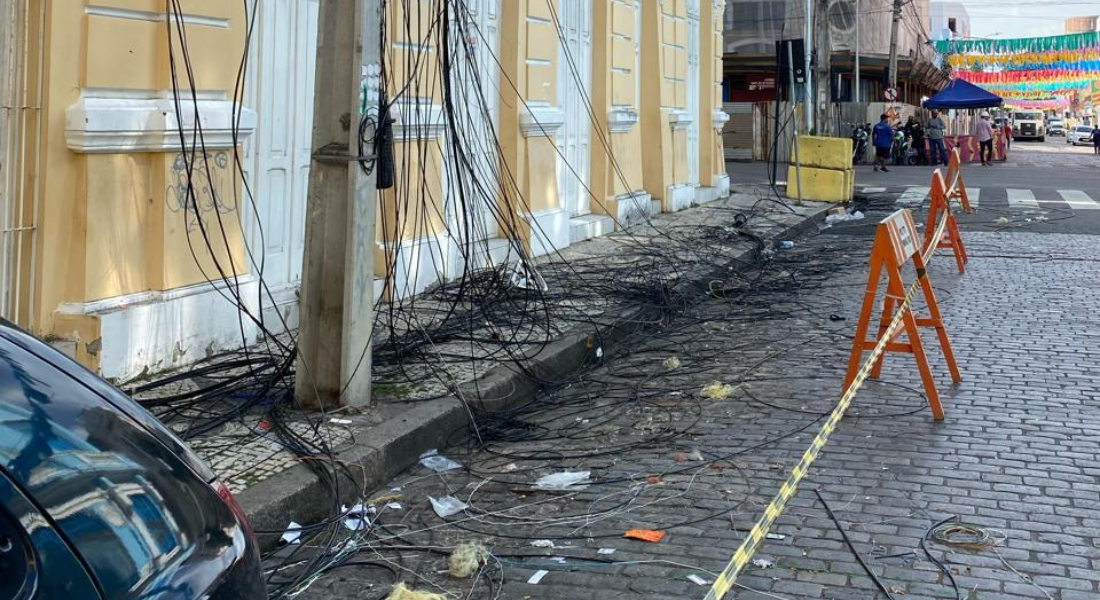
(1080, 135)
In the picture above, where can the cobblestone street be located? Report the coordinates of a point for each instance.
(1015, 458)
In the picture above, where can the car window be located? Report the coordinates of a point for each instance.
(1084, 130)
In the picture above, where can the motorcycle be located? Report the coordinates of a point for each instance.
(901, 147)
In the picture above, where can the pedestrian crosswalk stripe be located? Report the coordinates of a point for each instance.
(1078, 200)
(1021, 199)
(1035, 199)
(913, 196)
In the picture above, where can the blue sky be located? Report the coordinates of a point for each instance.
(1024, 18)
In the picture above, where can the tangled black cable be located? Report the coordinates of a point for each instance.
(475, 316)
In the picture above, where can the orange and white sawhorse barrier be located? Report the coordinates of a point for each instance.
(942, 192)
(895, 245)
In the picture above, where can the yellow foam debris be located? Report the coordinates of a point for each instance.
(717, 391)
(400, 592)
(466, 559)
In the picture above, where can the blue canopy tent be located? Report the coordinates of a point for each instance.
(963, 94)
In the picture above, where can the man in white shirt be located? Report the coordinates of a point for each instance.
(985, 139)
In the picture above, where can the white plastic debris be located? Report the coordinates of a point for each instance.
(694, 455)
(394, 506)
(525, 277)
(356, 523)
(762, 563)
(435, 461)
(537, 577)
(543, 543)
(606, 551)
(340, 421)
(776, 536)
(357, 509)
(508, 468)
(355, 517)
(557, 559)
(697, 580)
(843, 217)
(447, 505)
(564, 481)
(293, 534)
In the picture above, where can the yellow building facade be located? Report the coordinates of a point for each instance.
(522, 127)
(599, 114)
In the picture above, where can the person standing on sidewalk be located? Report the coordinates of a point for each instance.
(1096, 140)
(934, 129)
(882, 137)
(985, 139)
(1008, 134)
(916, 131)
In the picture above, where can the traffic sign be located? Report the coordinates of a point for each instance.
(891, 94)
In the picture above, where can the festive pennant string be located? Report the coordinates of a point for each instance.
(1046, 72)
(1082, 61)
(1011, 94)
(1053, 87)
(1038, 75)
(1042, 104)
(1069, 42)
(1042, 83)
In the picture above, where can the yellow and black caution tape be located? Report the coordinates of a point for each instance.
(759, 532)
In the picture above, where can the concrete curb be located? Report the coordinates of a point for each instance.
(387, 449)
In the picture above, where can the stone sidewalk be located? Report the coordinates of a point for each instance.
(598, 291)
(1016, 457)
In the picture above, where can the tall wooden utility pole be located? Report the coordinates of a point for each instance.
(337, 298)
(893, 73)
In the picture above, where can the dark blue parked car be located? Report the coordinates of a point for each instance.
(99, 501)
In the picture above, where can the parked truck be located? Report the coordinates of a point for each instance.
(1028, 125)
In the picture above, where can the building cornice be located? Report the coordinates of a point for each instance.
(621, 119)
(541, 120)
(680, 120)
(719, 118)
(128, 124)
(417, 121)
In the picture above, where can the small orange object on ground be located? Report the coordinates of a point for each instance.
(646, 535)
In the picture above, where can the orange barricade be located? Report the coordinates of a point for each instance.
(949, 238)
(895, 245)
(956, 187)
